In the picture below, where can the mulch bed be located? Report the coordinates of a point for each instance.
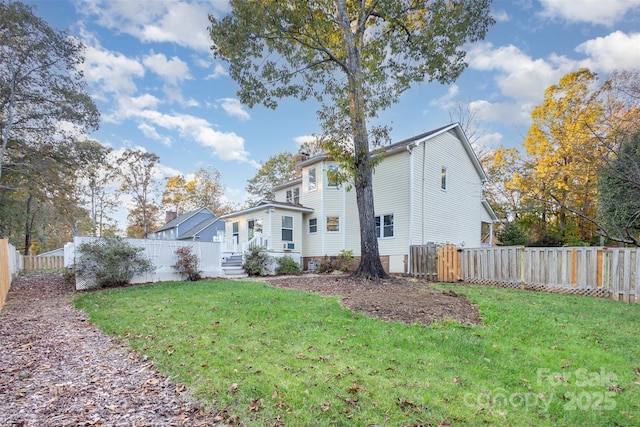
(57, 369)
(397, 298)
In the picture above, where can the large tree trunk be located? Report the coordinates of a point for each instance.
(370, 264)
(28, 226)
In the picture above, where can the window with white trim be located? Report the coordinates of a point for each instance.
(313, 225)
(311, 180)
(443, 178)
(384, 226)
(331, 178)
(333, 223)
(287, 229)
(293, 195)
(235, 231)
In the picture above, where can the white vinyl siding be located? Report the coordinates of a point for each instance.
(452, 216)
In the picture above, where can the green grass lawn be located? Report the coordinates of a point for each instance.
(272, 355)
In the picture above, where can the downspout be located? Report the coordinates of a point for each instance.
(410, 206)
(424, 167)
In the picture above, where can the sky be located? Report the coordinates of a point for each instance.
(149, 69)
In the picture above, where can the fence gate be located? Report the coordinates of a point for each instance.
(449, 264)
(424, 261)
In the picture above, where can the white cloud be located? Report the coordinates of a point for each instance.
(519, 76)
(615, 51)
(227, 146)
(500, 15)
(591, 11)
(303, 139)
(218, 71)
(182, 22)
(234, 108)
(446, 101)
(504, 112)
(111, 71)
(152, 133)
(172, 70)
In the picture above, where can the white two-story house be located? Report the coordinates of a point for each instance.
(427, 189)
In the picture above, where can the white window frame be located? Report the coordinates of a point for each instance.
(329, 222)
(443, 178)
(283, 228)
(381, 227)
(309, 226)
(312, 184)
(293, 195)
(331, 184)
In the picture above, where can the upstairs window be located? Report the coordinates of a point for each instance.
(311, 180)
(331, 178)
(443, 178)
(293, 196)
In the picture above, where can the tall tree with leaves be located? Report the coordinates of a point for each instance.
(40, 84)
(356, 58)
(138, 181)
(175, 196)
(278, 169)
(564, 155)
(96, 184)
(620, 193)
(206, 190)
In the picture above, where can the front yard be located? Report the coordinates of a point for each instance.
(264, 355)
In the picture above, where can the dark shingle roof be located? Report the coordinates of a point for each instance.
(180, 219)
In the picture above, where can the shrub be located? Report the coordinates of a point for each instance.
(256, 262)
(187, 263)
(287, 265)
(111, 261)
(342, 262)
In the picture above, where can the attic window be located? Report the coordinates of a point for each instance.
(443, 178)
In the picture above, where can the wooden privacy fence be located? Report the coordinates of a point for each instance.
(36, 263)
(5, 272)
(595, 271)
(435, 263)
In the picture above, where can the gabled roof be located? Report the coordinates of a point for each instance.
(453, 127)
(198, 228)
(265, 204)
(490, 211)
(182, 218)
(402, 145)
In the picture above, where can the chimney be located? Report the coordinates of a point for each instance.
(170, 215)
(300, 157)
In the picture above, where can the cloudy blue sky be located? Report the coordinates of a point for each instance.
(150, 71)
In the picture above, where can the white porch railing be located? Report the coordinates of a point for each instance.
(231, 245)
(258, 241)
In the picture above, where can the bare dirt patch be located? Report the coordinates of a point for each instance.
(57, 369)
(397, 298)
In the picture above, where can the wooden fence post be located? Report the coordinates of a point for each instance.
(5, 271)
